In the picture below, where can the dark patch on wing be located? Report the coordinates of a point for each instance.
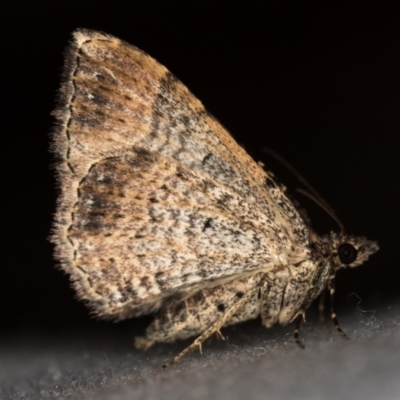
(207, 224)
(206, 158)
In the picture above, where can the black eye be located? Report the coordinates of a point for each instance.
(347, 253)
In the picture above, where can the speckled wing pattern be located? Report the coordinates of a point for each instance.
(157, 199)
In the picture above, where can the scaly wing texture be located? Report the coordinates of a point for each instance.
(145, 228)
(126, 126)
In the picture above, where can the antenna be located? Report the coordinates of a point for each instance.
(311, 193)
(329, 211)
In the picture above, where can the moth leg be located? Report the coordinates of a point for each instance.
(220, 335)
(296, 331)
(331, 286)
(216, 326)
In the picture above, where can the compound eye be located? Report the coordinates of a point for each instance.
(347, 253)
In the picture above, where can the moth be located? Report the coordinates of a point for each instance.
(162, 212)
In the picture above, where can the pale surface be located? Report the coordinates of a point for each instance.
(257, 364)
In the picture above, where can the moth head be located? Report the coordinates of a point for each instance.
(351, 251)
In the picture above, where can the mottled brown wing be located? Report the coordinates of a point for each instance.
(146, 227)
(118, 103)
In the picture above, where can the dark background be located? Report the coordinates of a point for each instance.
(318, 85)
